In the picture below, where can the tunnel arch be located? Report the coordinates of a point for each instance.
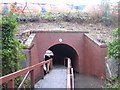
(61, 51)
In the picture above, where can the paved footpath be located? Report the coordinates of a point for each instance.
(56, 78)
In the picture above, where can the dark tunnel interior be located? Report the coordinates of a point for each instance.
(61, 51)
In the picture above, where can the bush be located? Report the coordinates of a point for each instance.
(114, 46)
(114, 51)
(11, 48)
(73, 17)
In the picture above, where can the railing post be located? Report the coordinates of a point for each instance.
(11, 84)
(51, 64)
(32, 78)
(72, 78)
(27, 74)
(42, 71)
(69, 63)
(65, 62)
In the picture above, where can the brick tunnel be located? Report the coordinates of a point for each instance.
(61, 51)
(87, 56)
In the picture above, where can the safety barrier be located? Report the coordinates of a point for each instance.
(70, 76)
(9, 79)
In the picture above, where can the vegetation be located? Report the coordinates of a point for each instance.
(114, 51)
(72, 17)
(114, 46)
(11, 48)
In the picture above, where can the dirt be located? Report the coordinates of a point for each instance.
(97, 31)
(88, 82)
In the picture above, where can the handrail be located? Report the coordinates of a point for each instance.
(70, 77)
(10, 77)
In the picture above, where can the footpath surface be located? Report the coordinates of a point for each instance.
(56, 78)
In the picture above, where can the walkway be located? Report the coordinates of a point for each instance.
(55, 79)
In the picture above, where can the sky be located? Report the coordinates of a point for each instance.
(76, 2)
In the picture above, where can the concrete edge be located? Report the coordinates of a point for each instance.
(30, 39)
(101, 45)
(58, 31)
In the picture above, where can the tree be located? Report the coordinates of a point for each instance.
(105, 7)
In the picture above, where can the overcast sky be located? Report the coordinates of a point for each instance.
(85, 2)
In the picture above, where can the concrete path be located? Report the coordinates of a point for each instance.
(86, 81)
(56, 78)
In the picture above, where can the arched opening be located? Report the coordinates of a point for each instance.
(61, 51)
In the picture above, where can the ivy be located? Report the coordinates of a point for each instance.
(11, 48)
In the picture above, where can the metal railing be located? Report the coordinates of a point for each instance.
(70, 76)
(9, 79)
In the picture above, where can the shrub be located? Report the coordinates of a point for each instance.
(11, 48)
(114, 46)
(114, 51)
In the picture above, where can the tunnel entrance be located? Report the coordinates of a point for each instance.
(61, 51)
